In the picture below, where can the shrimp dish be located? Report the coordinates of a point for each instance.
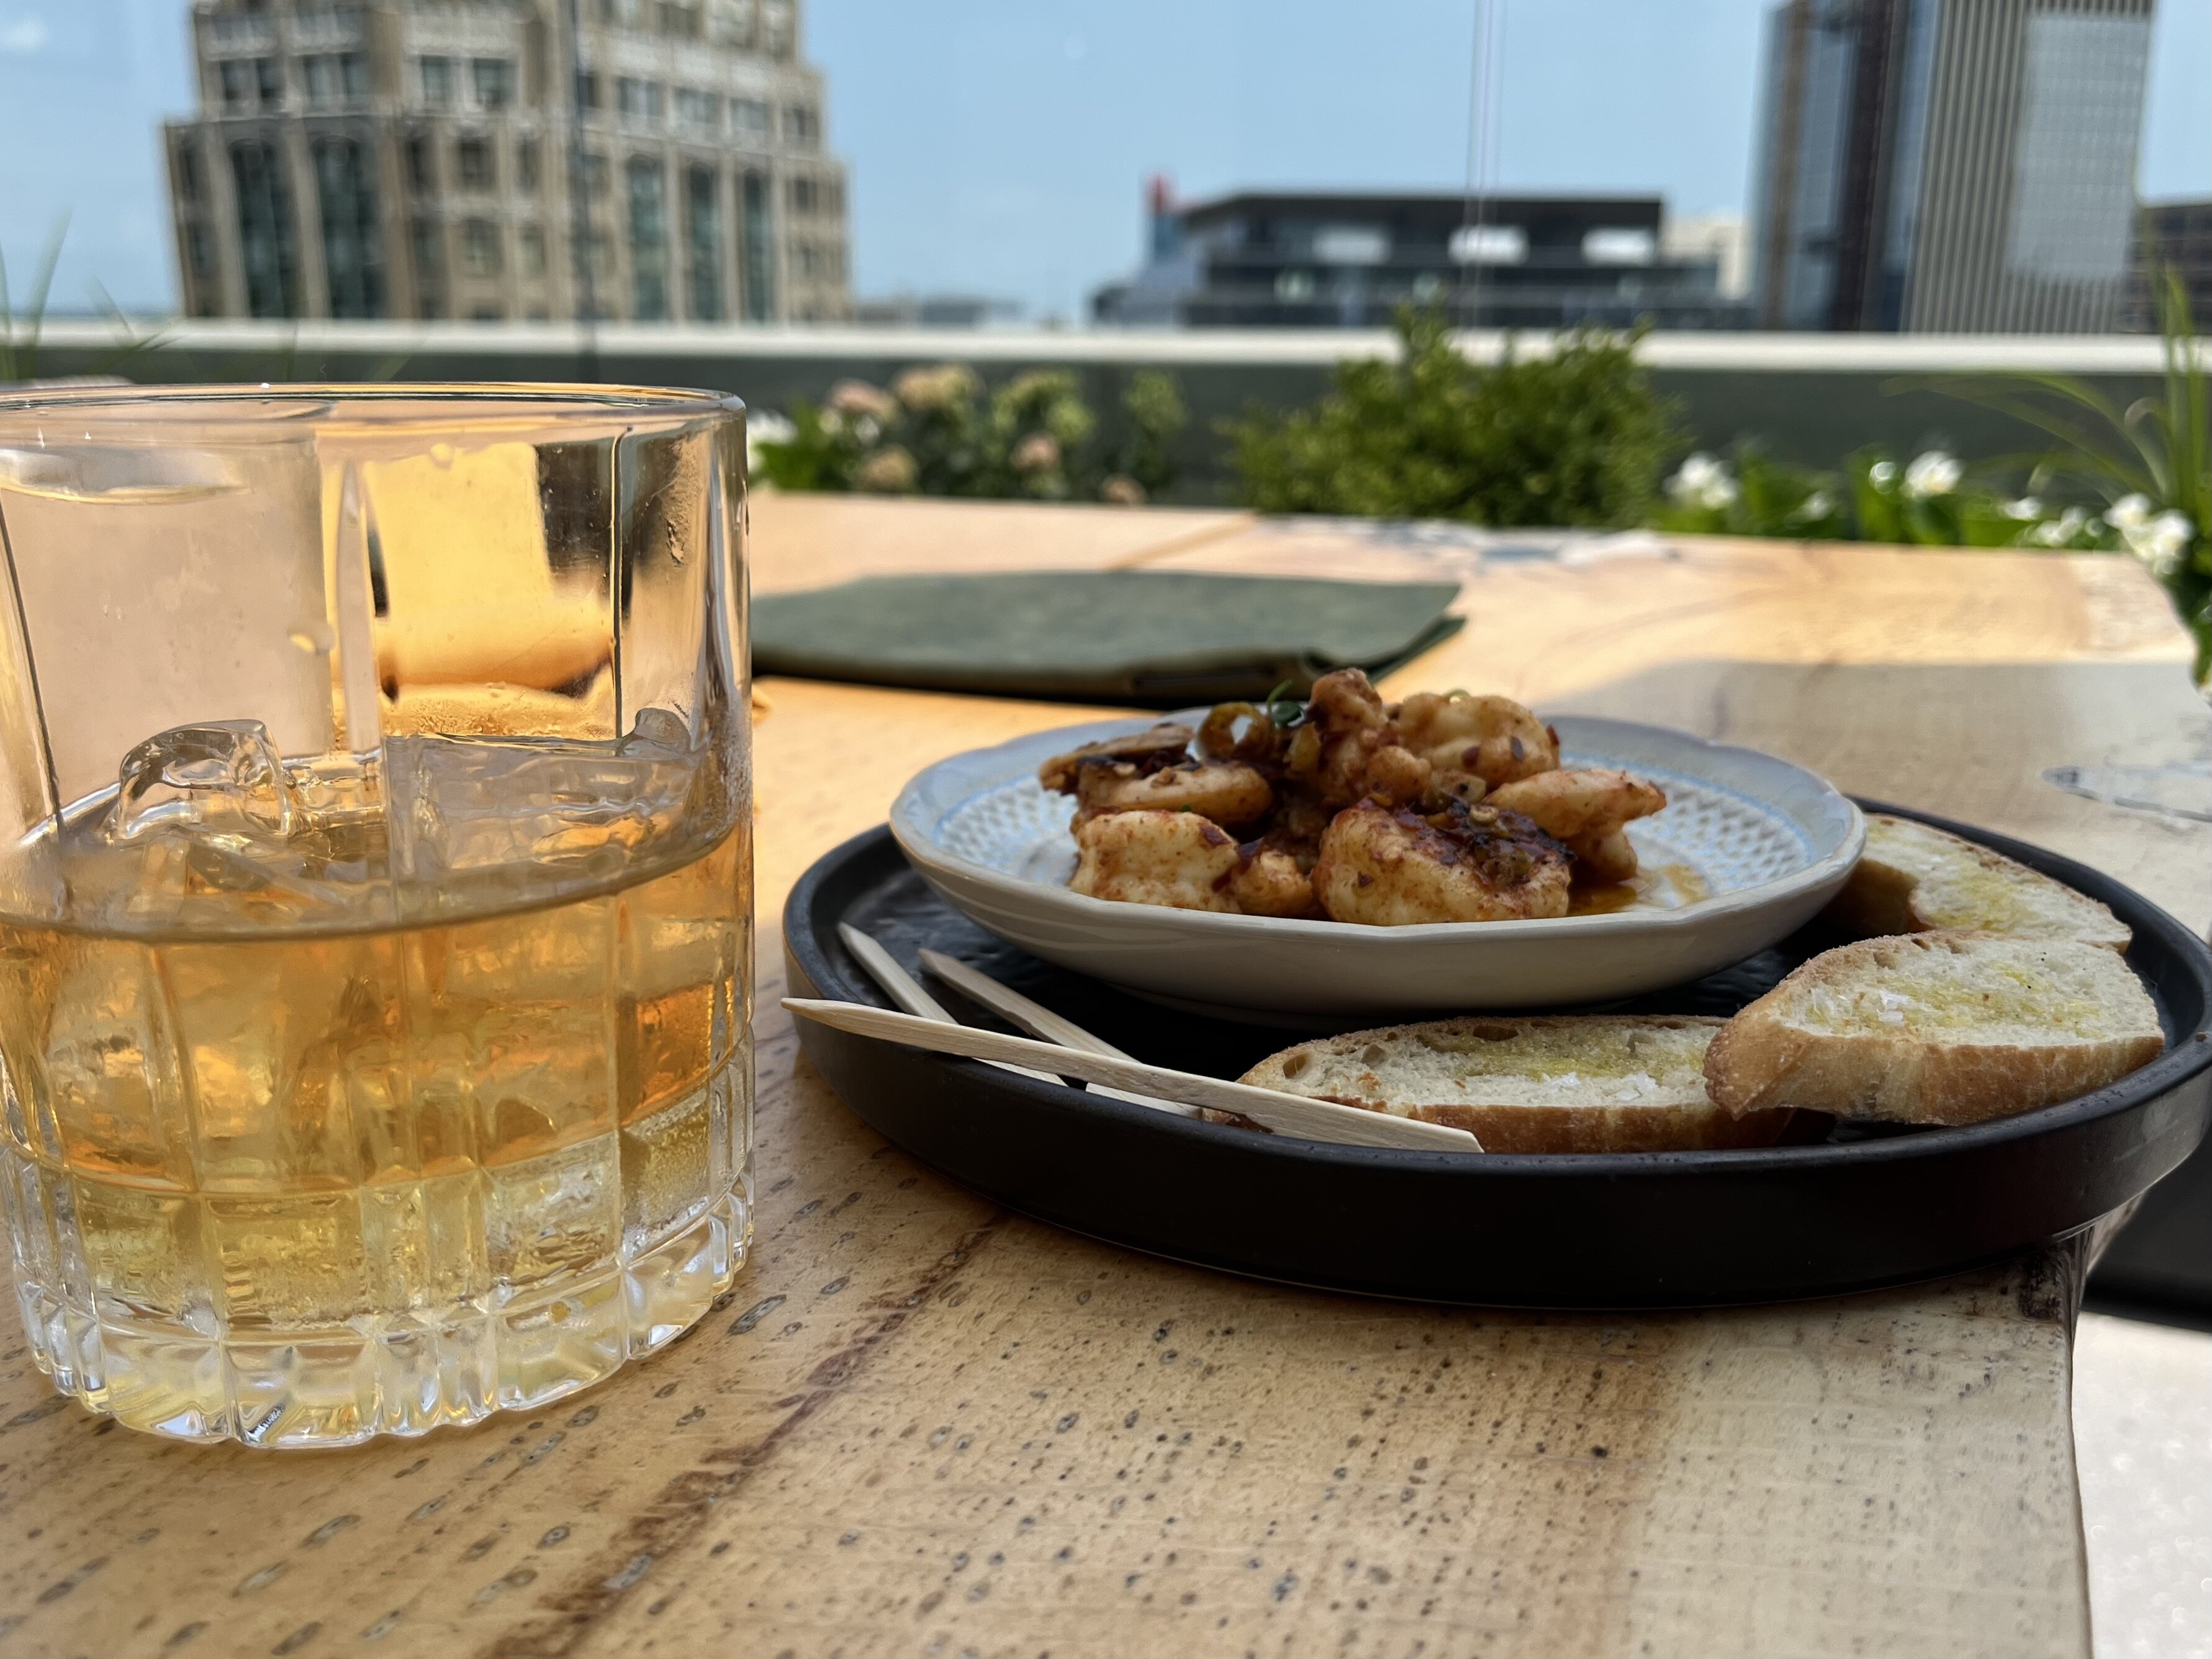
(1444, 807)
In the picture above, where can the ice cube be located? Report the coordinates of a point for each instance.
(658, 729)
(464, 804)
(223, 778)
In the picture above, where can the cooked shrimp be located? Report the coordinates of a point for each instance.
(1351, 724)
(1174, 859)
(1269, 882)
(1587, 809)
(1396, 869)
(1227, 792)
(1147, 752)
(1464, 738)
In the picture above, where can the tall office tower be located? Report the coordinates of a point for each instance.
(1949, 165)
(437, 158)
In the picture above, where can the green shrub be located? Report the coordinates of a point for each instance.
(1759, 496)
(939, 432)
(1574, 437)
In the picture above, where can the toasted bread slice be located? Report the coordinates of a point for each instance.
(1544, 1084)
(1937, 1028)
(1916, 878)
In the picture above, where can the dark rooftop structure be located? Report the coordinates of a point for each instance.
(1267, 259)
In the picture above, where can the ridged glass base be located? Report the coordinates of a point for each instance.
(401, 1375)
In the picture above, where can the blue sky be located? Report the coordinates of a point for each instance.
(1000, 146)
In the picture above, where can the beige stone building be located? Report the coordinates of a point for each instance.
(430, 158)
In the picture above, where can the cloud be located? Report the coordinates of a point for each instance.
(24, 36)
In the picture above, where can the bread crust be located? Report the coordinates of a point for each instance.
(1767, 1058)
(1884, 897)
(1679, 1126)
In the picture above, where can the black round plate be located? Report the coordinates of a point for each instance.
(1644, 1230)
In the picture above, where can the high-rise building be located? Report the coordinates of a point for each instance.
(2173, 237)
(437, 158)
(1949, 165)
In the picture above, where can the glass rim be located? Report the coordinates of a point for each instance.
(271, 408)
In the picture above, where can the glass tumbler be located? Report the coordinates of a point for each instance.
(375, 908)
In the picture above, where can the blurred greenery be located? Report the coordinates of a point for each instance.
(1574, 436)
(19, 336)
(2149, 464)
(940, 431)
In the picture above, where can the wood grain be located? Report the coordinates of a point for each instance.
(924, 1425)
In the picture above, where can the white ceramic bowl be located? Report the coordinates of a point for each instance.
(1770, 841)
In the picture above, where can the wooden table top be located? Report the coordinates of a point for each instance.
(923, 1425)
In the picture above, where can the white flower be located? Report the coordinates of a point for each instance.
(2161, 542)
(1933, 473)
(762, 427)
(2128, 514)
(1702, 482)
(2059, 532)
(1818, 505)
(1882, 472)
(2026, 507)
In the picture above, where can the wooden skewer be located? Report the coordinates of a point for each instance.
(904, 990)
(1034, 1017)
(1291, 1114)
(1040, 1022)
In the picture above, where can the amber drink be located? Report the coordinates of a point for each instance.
(373, 1023)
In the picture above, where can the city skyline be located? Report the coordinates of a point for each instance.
(381, 160)
(1003, 151)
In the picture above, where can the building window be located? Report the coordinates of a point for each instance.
(488, 313)
(199, 253)
(648, 239)
(530, 250)
(637, 101)
(421, 170)
(430, 268)
(702, 243)
(353, 75)
(319, 74)
(473, 160)
(802, 127)
(480, 248)
(264, 231)
(587, 89)
(495, 82)
(347, 203)
(268, 81)
(191, 186)
(437, 74)
(749, 118)
(804, 194)
(237, 84)
(525, 164)
(760, 290)
(733, 24)
(698, 112)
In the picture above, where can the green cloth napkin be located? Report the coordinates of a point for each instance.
(1154, 639)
